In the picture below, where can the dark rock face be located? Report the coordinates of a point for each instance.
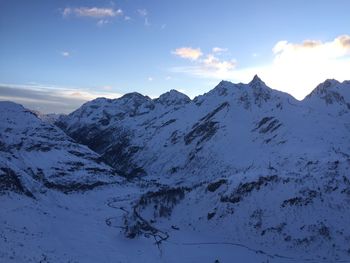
(9, 181)
(201, 131)
(163, 200)
(119, 156)
(115, 147)
(212, 187)
(268, 124)
(244, 189)
(306, 198)
(205, 128)
(73, 187)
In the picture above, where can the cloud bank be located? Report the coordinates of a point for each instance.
(295, 68)
(93, 12)
(51, 99)
(188, 53)
(206, 66)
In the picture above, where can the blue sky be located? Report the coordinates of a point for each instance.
(57, 54)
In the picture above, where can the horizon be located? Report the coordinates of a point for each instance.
(90, 49)
(81, 103)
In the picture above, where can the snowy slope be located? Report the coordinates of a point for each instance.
(231, 128)
(37, 155)
(330, 98)
(85, 228)
(283, 164)
(243, 172)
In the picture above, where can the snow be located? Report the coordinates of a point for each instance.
(61, 228)
(243, 172)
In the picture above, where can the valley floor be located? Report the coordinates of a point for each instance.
(84, 227)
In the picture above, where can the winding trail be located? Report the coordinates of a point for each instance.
(113, 203)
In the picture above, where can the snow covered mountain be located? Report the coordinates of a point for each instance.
(331, 96)
(36, 155)
(240, 167)
(230, 128)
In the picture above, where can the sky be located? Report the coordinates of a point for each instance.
(56, 55)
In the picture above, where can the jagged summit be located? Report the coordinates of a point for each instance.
(223, 88)
(256, 79)
(225, 83)
(330, 93)
(245, 95)
(324, 87)
(257, 82)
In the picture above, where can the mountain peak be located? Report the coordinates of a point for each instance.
(328, 83)
(256, 80)
(134, 95)
(173, 97)
(331, 92)
(324, 88)
(10, 105)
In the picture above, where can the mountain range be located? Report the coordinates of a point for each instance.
(243, 172)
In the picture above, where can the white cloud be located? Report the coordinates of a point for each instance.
(127, 18)
(146, 21)
(65, 53)
(67, 11)
(142, 12)
(295, 68)
(188, 53)
(94, 12)
(150, 79)
(219, 50)
(208, 66)
(298, 67)
(102, 22)
(213, 63)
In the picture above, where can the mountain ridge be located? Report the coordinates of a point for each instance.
(256, 79)
(272, 170)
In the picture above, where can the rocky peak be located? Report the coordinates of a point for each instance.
(223, 88)
(16, 114)
(134, 100)
(173, 97)
(331, 92)
(257, 83)
(255, 80)
(261, 91)
(324, 87)
(134, 96)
